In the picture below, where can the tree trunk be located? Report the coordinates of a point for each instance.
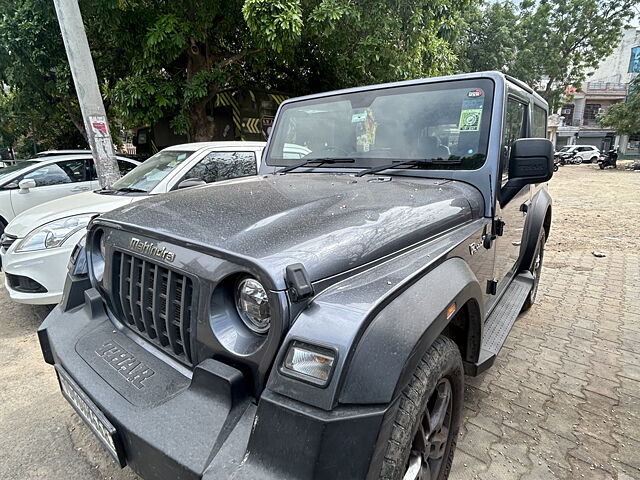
(201, 129)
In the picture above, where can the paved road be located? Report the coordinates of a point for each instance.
(562, 401)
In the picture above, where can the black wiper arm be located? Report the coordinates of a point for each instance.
(411, 163)
(319, 161)
(131, 190)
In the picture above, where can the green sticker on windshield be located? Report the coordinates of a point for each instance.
(470, 120)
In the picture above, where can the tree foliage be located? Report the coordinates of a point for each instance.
(625, 117)
(550, 44)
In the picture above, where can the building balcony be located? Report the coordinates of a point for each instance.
(609, 90)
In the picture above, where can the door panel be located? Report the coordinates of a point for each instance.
(512, 213)
(53, 181)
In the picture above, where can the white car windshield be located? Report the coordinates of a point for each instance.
(11, 169)
(565, 149)
(147, 176)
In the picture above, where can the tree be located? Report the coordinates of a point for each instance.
(550, 44)
(184, 52)
(625, 117)
(490, 39)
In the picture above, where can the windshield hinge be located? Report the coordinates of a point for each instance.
(298, 282)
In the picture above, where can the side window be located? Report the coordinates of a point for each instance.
(69, 171)
(124, 167)
(539, 127)
(514, 129)
(224, 165)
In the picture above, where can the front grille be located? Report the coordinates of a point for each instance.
(6, 241)
(155, 302)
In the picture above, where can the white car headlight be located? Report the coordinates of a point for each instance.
(54, 234)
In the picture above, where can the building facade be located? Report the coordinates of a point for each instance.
(608, 85)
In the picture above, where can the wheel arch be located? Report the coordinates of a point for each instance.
(395, 340)
(539, 218)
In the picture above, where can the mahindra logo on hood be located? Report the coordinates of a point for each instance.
(151, 249)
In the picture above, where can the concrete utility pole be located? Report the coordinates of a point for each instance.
(86, 82)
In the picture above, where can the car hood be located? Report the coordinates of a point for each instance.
(82, 203)
(328, 222)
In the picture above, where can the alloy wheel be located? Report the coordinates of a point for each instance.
(432, 437)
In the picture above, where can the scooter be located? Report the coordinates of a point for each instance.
(609, 159)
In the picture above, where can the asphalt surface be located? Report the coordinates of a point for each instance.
(562, 401)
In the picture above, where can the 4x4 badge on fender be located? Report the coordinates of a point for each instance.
(123, 362)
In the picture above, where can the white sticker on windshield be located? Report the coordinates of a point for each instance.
(358, 117)
(181, 157)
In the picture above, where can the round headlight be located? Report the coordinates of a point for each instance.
(252, 303)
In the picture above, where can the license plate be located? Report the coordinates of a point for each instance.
(92, 416)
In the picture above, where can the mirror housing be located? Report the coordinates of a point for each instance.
(26, 184)
(191, 182)
(531, 161)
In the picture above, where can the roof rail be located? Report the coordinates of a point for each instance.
(520, 83)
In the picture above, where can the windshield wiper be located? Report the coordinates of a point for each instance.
(131, 190)
(319, 161)
(418, 162)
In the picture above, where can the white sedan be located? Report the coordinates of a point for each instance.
(36, 246)
(32, 182)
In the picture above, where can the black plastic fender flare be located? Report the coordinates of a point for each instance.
(536, 217)
(396, 339)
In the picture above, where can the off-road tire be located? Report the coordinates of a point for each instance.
(535, 270)
(441, 361)
(601, 165)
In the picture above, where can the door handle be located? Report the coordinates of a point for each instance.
(80, 189)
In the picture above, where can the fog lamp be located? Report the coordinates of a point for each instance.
(309, 363)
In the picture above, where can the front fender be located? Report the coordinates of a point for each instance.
(396, 339)
(421, 283)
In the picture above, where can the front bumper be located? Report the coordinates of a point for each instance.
(46, 267)
(191, 425)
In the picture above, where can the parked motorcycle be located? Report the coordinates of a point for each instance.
(567, 158)
(608, 159)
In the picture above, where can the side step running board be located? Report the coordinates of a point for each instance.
(500, 322)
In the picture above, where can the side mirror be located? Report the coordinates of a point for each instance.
(191, 182)
(531, 161)
(26, 184)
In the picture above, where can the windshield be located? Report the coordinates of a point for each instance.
(565, 149)
(11, 169)
(446, 121)
(147, 176)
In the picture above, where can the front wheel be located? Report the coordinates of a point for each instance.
(601, 165)
(425, 428)
(578, 160)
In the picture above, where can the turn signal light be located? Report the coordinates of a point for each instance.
(310, 363)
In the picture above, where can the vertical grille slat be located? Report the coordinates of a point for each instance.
(122, 288)
(147, 318)
(155, 302)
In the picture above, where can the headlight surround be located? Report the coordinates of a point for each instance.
(252, 303)
(54, 234)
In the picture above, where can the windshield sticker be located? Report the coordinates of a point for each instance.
(475, 93)
(181, 157)
(358, 117)
(365, 130)
(470, 120)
